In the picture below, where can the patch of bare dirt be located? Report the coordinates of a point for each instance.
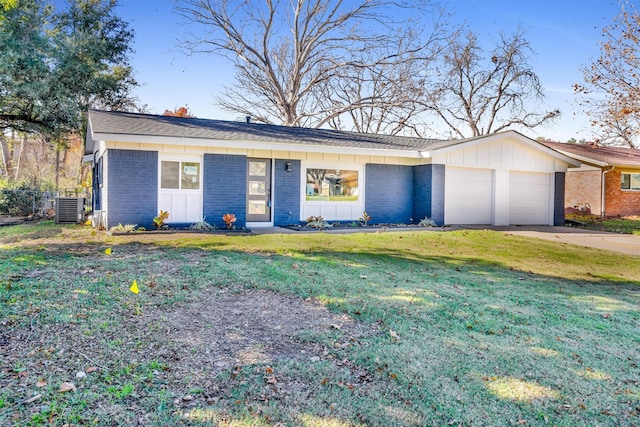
(221, 331)
(227, 332)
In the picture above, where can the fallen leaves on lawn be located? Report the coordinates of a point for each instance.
(270, 378)
(33, 398)
(394, 335)
(67, 386)
(41, 384)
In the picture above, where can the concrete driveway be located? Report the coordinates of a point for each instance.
(628, 244)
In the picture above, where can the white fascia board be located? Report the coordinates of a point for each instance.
(586, 160)
(87, 158)
(254, 145)
(89, 139)
(498, 136)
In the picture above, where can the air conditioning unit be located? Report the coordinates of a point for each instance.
(69, 210)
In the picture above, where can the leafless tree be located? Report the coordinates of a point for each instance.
(381, 98)
(317, 62)
(610, 93)
(478, 93)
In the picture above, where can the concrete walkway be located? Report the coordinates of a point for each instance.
(628, 244)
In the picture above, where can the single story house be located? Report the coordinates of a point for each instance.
(607, 183)
(276, 176)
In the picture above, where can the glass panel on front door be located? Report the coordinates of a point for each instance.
(259, 190)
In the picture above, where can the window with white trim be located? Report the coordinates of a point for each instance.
(180, 175)
(331, 185)
(630, 181)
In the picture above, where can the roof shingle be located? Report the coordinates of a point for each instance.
(609, 155)
(114, 122)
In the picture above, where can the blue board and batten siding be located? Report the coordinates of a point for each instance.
(224, 188)
(133, 187)
(286, 203)
(389, 193)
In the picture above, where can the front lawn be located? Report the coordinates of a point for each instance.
(383, 329)
(626, 225)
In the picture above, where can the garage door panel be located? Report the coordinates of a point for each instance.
(529, 198)
(468, 196)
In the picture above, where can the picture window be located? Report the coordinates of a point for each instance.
(333, 185)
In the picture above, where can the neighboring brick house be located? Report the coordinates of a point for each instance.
(275, 175)
(608, 181)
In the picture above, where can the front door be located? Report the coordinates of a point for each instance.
(258, 190)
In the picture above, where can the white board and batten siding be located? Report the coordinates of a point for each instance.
(504, 182)
(184, 206)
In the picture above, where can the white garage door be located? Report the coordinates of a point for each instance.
(529, 198)
(468, 196)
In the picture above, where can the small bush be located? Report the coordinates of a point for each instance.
(317, 222)
(229, 219)
(127, 228)
(19, 202)
(365, 218)
(158, 221)
(427, 222)
(202, 225)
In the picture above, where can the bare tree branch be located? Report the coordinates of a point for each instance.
(487, 93)
(610, 94)
(317, 62)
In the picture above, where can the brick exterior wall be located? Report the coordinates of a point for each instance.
(224, 188)
(286, 202)
(389, 193)
(583, 187)
(422, 192)
(428, 193)
(132, 187)
(558, 199)
(619, 202)
(437, 194)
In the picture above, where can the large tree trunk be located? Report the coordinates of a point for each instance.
(19, 157)
(6, 149)
(57, 168)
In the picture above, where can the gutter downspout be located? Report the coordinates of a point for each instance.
(603, 186)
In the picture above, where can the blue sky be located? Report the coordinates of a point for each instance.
(563, 33)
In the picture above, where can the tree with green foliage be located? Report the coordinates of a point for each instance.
(6, 5)
(56, 64)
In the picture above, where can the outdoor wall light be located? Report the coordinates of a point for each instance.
(287, 167)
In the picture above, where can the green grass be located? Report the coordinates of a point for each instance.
(492, 329)
(613, 225)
